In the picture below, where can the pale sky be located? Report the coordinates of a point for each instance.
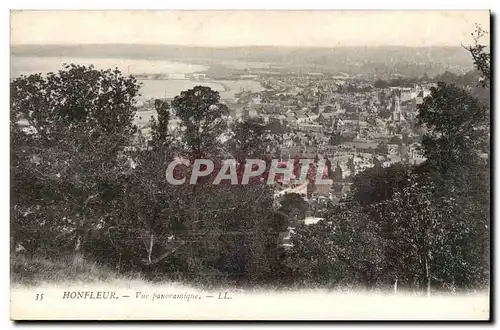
(248, 28)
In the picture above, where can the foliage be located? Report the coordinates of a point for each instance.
(342, 250)
(250, 140)
(294, 206)
(457, 125)
(381, 84)
(382, 149)
(470, 78)
(66, 159)
(201, 114)
(395, 140)
(482, 59)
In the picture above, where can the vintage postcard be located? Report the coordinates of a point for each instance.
(250, 165)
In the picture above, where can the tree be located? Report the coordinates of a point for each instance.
(375, 185)
(457, 138)
(381, 84)
(480, 57)
(457, 125)
(434, 239)
(200, 112)
(294, 206)
(337, 174)
(232, 231)
(415, 234)
(447, 77)
(344, 250)
(336, 139)
(159, 128)
(78, 122)
(455, 177)
(250, 140)
(382, 149)
(395, 140)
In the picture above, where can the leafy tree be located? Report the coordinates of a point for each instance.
(276, 127)
(457, 125)
(343, 250)
(232, 232)
(336, 176)
(250, 140)
(375, 185)
(433, 240)
(78, 122)
(412, 233)
(294, 206)
(159, 129)
(336, 139)
(382, 149)
(381, 84)
(480, 57)
(200, 112)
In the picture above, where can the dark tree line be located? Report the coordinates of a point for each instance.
(84, 180)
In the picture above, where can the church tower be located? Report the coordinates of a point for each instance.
(396, 110)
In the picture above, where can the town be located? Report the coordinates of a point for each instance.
(352, 123)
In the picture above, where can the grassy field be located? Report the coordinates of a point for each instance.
(53, 278)
(36, 271)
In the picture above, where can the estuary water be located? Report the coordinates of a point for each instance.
(149, 88)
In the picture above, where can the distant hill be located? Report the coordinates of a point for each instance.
(411, 61)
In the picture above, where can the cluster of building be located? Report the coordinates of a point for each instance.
(314, 115)
(347, 121)
(352, 124)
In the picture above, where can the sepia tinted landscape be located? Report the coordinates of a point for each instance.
(391, 136)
